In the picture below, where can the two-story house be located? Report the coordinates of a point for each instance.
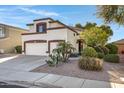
(44, 35)
(10, 37)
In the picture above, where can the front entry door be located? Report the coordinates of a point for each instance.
(80, 46)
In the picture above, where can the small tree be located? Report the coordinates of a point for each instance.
(107, 29)
(89, 25)
(78, 25)
(94, 36)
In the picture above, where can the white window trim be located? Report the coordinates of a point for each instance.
(2, 33)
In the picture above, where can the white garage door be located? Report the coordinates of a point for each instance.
(53, 45)
(36, 49)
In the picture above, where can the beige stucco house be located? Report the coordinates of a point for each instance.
(44, 35)
(10, 37)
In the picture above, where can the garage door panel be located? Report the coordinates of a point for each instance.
(36, 49)
(53, 45)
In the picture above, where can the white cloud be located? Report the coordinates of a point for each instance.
(11, 24)
(16, 17)
(1, 10)
(40, 12)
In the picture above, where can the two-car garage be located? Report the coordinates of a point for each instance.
(40, 47)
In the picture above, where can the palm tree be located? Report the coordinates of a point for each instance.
(111, 13)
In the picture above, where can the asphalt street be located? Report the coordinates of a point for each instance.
(7, 85)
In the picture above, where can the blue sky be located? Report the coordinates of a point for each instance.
(70, 15)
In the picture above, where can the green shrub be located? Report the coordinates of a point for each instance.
(100, 55)
(55, 58)
(102, 49)
(89, 63)
(54, 61)
(89, 52)
(111, 58)
(113, 49)
(60, 54)
(18, 49)
(98, 49)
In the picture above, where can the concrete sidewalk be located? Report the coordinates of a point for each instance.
(52, 80)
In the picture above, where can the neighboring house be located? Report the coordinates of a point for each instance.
(120, 45)
(10, 37)
(44, 35)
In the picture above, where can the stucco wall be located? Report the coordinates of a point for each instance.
(52, 25)
(60, 34)
(13, 39)
(32, 28)
(72, 38)
(44, 21)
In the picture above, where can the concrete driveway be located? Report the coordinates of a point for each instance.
(21, 62)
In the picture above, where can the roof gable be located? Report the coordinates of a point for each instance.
(119, 41)
(13, 27)
(43, 19)
(65, 26)
(57, 21)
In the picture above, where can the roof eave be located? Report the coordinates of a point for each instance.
(43, 19)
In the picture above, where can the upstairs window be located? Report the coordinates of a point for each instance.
(2, 33)
(41, 27)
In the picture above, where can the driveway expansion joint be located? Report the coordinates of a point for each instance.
(83, 83)
(57, 79)
(39, 79)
